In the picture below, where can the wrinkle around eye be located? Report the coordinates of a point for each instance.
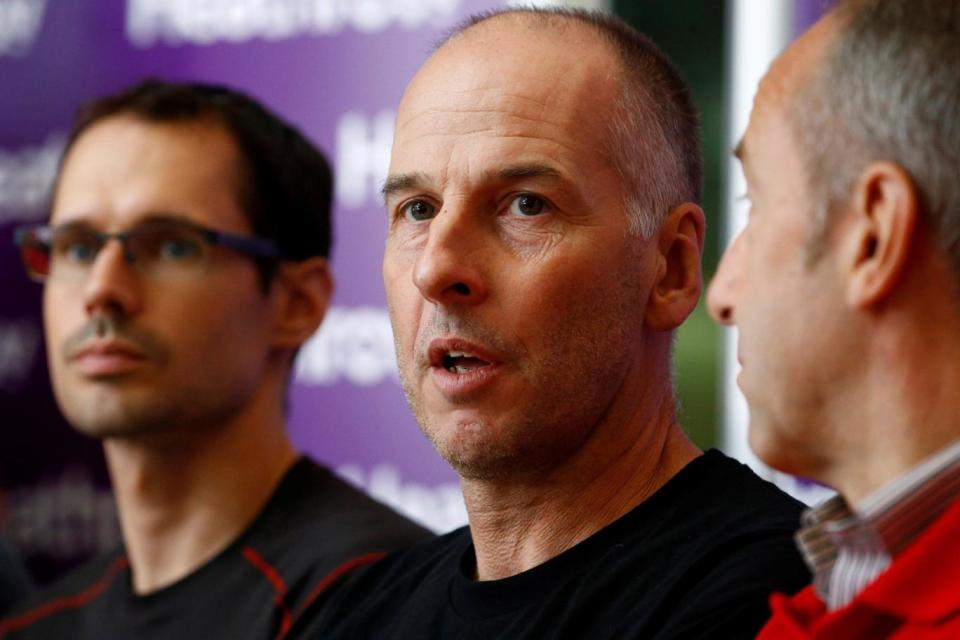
(530, 240)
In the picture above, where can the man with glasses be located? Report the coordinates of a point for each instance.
(184, 263)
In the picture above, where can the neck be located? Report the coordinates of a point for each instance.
(909, 412)
(519, 524)
(184, 500)
(906, 407)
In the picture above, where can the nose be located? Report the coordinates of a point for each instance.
(450, 269)
(721, 295)
(111, 286)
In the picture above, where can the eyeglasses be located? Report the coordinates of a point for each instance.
(161, 249)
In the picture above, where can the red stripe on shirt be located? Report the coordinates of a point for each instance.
(66, 602)
(279, 586)
(332, 577)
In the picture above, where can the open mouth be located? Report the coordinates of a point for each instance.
(462, 362)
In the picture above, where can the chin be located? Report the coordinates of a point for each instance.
(472, 448)
(113, 418)
(476, 465)
(776, 452)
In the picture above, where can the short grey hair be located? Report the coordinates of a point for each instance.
(654, 131)
(888, 90)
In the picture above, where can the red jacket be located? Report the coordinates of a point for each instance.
(917, 597)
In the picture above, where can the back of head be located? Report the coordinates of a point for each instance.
(286, 181)
(888, 90)
(653, 139)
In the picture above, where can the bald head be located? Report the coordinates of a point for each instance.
(870, 82)
(647, 121)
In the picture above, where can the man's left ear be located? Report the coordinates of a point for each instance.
(303, 291)
(879, 232)
(678, 283)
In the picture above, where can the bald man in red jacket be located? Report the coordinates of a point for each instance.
(845, 286)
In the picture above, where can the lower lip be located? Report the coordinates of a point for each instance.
(462, 385)
(108, 364)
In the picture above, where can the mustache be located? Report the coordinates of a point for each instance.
(120, 328)
(444, 323)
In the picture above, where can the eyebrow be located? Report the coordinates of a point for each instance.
(150, 218)
(404, 181)
(519, 171)
(401, 182)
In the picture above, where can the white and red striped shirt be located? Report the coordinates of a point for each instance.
(848, 548)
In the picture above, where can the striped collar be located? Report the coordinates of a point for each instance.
(848, 548)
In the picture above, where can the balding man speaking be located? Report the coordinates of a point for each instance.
(544, 243)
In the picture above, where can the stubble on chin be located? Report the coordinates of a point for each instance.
(470, 447)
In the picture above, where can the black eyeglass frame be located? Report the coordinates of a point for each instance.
(260, 248)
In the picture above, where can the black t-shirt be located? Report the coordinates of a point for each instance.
(313, 529)
(698, 559)
(15, 583)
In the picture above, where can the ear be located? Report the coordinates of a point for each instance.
(678, 282)
(879, 233)
(303, 290)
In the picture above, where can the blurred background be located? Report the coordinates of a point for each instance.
(336, 69)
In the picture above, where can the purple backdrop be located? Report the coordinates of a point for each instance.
(336, 69)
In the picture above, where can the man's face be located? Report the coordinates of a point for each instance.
(515, 290)
(788, 308)
(131, 354)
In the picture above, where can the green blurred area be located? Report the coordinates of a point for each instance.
(693, 34)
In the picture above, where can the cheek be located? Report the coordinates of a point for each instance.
(221, 327)
(580, 298)
(403, 299)
(62, 315)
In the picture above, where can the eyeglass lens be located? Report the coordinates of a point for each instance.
(162, 250)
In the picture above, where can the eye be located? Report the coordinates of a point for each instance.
(527, 204)
(178, 249)
(418, 210)
(166, 244)
(80, 248)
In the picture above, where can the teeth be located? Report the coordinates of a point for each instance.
(452, 357)
(458, 369)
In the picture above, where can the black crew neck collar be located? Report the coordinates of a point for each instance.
(490, 598)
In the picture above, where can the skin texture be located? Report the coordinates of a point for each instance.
(843, 346)
(191, 387)
(508, 239)
(175, 322)
(786, 367)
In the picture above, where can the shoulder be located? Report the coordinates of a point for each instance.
(401, 574)
(723, 494)
(316, 529)
(729, 536)
(729, 519)
(403, 582)
(15, 582)
(312, 507)
(70, 598)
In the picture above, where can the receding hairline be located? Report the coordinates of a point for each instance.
(652, 101)
(547, 17)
